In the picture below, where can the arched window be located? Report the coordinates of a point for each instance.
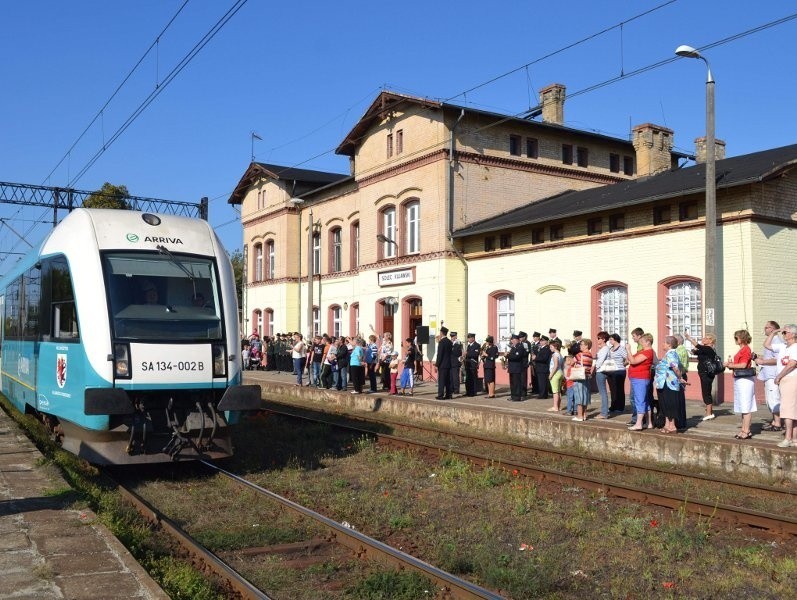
(505, 313)
(412, 227)
(612, 308)
(316, 321)
(257, 319)
(336, 250)
(270, 258)
(335, 320)
(354, 319)
(355, 245)
(258, 267)
(680, 303)
(269, 322)
(388, 229)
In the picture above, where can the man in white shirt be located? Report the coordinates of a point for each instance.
(298, 354)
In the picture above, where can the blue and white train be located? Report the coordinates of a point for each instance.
(121, 331)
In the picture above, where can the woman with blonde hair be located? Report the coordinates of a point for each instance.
(706, 365)
(743, 382)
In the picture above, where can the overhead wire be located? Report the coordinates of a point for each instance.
(212, 32)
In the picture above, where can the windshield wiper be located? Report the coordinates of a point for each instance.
(164, 250)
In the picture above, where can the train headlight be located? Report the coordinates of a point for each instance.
(121, 361)
(219, 360)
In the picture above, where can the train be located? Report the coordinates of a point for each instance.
(120, 331)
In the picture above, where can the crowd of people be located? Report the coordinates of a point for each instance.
(567, 372)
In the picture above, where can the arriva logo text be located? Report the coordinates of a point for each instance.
(163, 240)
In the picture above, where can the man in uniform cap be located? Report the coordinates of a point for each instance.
(456, 362)
(515, 357)
(472, 351)
(575, 345)
(443, 364)
(542, 365)
(552, 335)
(524, 376)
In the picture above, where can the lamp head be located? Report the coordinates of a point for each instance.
(383, 238)
(687, 52)
(297, 201)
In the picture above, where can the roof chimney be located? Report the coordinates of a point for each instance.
(653, 145)
(552, 99)
(700, 150)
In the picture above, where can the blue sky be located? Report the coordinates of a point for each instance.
(301, 74)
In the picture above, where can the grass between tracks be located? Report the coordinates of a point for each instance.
(520, 538)
(89, 488)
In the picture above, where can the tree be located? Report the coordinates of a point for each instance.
(237, 260)
(108, 196)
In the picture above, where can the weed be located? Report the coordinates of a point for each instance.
(392, 585)
(491, 477)
(401, 522)
(181, 581)
(340, 484)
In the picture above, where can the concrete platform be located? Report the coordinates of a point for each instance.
(48, 550)
(703, 445)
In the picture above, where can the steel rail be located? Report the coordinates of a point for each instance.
(366, 547)
(734, 515)
(512, 446)
(235, 580)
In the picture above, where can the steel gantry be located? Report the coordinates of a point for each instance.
(68, 198)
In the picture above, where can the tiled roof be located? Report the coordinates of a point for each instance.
(730, 172)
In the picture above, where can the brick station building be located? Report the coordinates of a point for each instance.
(492, 223)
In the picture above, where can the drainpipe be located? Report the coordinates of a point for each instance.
(450, 233)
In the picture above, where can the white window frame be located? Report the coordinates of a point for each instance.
(337, 250)
(413, 213)
(684, 308)
(613, 310)
(316, 321)
(337, 321)
(270, 322)
(389, 231)
(271, 255)
(259, 262)
(316, 254)
(505, 317)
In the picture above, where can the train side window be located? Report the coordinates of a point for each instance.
(63, 323)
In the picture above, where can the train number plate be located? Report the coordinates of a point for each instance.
(161, 364)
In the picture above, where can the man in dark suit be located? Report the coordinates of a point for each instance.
(575, 345)
(542, 365)
(524, 376)
(443, 364)
(515, 357)
(456, 362)
(472, 351)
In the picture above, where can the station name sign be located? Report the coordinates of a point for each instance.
(387, 278)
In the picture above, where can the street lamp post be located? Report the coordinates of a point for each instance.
(710, 281)
(297, 203)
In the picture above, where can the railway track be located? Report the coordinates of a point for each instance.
(731, 514)
(360, 545)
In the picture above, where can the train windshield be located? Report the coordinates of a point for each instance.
(162, 296)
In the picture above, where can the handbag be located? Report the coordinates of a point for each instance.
(717, 364)
(608, 365)
(577, 373)
(747, 372)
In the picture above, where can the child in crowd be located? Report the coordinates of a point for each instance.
(394, 366)
(569, 383)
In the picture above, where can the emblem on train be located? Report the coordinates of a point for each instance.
(132, 237)
(60, 370)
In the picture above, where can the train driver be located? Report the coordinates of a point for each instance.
(150, 292)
